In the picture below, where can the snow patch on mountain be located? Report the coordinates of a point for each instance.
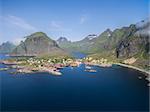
(92, 36)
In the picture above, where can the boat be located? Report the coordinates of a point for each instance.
(88, 67)
(56, 73)
(7, 55)
(87, 70)
(3, 69)
(140, 77)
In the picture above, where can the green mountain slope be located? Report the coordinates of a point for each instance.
(38, 44)
(126, 43)
(118, 45)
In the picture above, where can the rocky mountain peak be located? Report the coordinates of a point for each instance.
(38, 35)
(108, 32)
(62, 39)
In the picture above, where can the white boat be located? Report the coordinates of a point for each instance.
(140, 77)
(89, 70)
(7, 55)
(56, 73)
(88, 67)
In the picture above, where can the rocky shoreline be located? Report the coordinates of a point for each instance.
(39, 65)
(133, 67)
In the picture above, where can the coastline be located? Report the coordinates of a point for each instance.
(47, 66)
(146, 73)
(133, 67)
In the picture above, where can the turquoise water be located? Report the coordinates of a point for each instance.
(114, 88)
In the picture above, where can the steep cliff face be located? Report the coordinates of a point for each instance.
(37, 44)
(135, 43)
(7, 47)
(130, 47)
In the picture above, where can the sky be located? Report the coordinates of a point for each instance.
(74, 19)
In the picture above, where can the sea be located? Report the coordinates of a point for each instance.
(113, 88)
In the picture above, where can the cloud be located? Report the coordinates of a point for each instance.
(19, 22)
(17, 28)
(83, 19)
(58, 26)
(55, 24)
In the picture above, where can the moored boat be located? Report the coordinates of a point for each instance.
(87, 70)
(88, 67)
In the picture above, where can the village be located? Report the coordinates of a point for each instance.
(52, 65)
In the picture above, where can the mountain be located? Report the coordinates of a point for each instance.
(118, 45)
(143, 28)
(6, 47)
(62, 40)
(126, 43)
(80, 46)
(92, 43)
(38, 44)
(88, 38)
(136, 42)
